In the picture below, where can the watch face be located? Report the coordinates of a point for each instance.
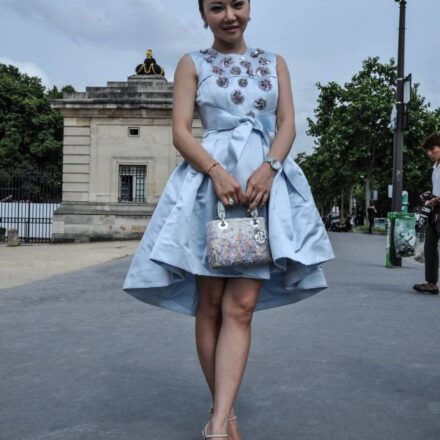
(276, 165)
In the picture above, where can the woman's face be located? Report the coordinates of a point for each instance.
(227, 18)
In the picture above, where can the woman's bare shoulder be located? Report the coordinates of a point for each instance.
(186, 66)
(281, 62)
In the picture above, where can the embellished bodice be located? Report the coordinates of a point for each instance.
(236, 88)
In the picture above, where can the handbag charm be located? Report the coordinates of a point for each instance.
(237, 241)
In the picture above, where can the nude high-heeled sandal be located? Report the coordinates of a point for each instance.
(206, 436)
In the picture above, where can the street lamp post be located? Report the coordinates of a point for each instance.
(396, 204)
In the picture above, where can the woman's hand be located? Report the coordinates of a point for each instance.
(259, 185)
(433, 202)
(226, 186)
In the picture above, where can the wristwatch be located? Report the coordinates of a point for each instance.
(275, 164)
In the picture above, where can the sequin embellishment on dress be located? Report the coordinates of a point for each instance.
(265, 85)
(237, 97)
(235, 70)
(260, 103)
(222, 81)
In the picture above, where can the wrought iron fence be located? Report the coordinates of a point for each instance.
(28, 199)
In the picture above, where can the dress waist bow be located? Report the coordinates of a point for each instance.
(215, 119)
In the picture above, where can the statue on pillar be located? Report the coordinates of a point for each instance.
(149, 67)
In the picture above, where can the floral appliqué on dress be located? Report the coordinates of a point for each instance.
(229, 66)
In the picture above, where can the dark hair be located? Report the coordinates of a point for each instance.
(201, 6)
(433, 140)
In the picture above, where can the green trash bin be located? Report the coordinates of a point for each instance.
(401, 236)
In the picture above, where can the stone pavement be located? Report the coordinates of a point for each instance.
(80, 359)
(30, 262)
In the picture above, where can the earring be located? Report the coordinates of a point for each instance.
(205, 25)
(249, 18)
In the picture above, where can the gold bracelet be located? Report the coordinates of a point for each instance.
(212, 166)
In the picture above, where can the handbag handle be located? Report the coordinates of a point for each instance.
(221, 211)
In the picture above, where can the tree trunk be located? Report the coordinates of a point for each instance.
(350, 203)
(367, 193)
(342, 205)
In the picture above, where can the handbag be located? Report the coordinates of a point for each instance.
(237, 241)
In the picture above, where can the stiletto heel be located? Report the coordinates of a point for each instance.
(207, 436)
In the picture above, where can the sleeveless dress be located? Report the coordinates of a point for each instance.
(236, 101)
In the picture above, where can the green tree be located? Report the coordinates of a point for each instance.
(331, 147)
(31, 133)
(352, 127)
(314, 167)
(353, 138)
(416, 166)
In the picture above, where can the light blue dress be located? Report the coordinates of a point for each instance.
(236, 100)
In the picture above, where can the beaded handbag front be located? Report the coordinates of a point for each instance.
(237, 241)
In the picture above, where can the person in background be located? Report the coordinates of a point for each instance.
(359, 216)
(371, 211)
(432, 233)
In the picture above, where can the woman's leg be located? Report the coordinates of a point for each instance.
(238, 303)
(208, 321)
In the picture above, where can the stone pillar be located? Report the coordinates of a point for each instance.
(13, 239)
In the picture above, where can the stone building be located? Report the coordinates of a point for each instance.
(117, 156)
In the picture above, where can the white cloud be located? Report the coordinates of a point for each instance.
(112, 23)
(29, 68)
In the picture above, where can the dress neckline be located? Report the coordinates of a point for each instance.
(232, 53)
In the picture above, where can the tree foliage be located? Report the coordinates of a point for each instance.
(31, 133)
(353, 143)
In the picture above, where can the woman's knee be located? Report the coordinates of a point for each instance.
(239, 304)
(210, 305)
(210, 297)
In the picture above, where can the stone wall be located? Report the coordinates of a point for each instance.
(76, 159)
(96, 142)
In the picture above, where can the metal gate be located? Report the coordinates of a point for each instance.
(28, 199)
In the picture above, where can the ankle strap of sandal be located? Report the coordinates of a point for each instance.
(231, 419)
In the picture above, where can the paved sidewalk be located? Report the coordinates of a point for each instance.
(31, 262)
(82, 360)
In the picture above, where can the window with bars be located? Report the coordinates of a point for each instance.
(132, 183)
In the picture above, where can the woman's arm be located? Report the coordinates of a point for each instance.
(184, 96)
(285, 116)
(260, 182)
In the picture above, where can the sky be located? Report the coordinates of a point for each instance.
(89, 42)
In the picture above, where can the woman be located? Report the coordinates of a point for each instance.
(244, 100)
